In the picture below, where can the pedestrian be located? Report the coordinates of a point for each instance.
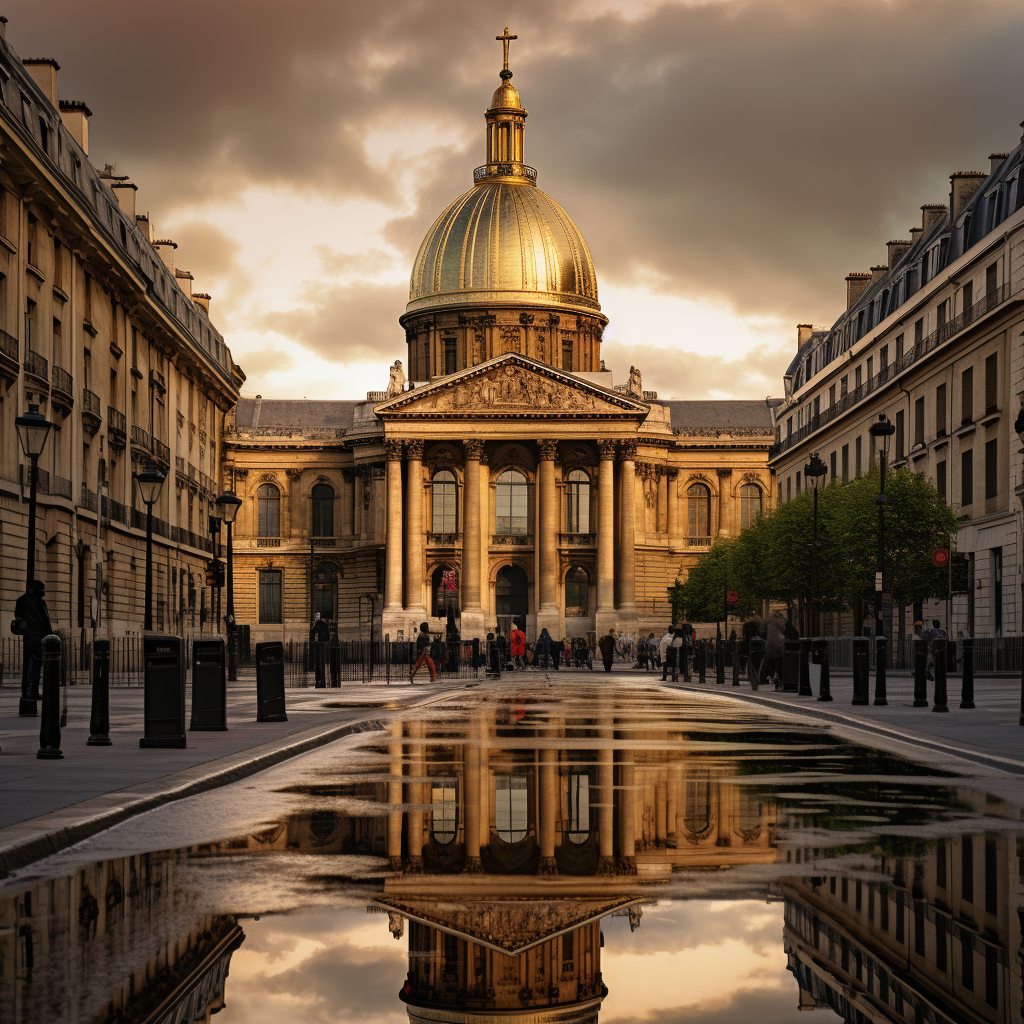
(319, 635)
(333, 650)
(32, 623)
(544, 648)
(689, 635)
(607, 647)
(774, 648)
(517, 647)
(663, 648)
(423, 641)
(501, 641)
(492, 655)
(676, 652)
(935, 636)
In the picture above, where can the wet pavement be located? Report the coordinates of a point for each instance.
(600, 851)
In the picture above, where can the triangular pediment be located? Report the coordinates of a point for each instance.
(512, 385)
(509, 926)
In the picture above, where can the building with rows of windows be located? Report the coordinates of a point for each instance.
(101, 331)
(511, 463)
(931, 337)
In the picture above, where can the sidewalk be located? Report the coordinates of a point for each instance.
(48, 805)
(988, 735)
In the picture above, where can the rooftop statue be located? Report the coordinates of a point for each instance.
(396, 382)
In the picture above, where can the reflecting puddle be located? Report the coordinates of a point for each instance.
(612, 855)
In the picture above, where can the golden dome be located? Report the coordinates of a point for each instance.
(504, 243)
(506, 96)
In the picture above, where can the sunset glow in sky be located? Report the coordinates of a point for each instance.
(728, 162)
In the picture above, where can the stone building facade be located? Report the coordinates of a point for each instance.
(559, 499)
(931, 338)
(101, 330)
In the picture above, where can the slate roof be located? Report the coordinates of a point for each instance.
(695, 415)
(301, 413)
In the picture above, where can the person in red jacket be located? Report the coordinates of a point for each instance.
(517, 647)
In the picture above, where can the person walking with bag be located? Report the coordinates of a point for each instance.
(423, 641)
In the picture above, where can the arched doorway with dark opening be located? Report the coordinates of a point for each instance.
(511, 598)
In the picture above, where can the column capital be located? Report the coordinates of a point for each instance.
(474, 449)
(671, 473)
(393, 450)
(627, 451)
(548, 450)
(723, 473)
(414, 449)
(606, 449)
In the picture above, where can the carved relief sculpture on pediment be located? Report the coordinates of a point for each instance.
(511, 387)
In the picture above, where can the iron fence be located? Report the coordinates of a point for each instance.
(382, 661)
(992, 654)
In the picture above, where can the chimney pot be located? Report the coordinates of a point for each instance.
(185, 280)
(202, 299)
(996, 161)
(962, 186)
(75, 115)
(125, 192)
(855, 284)
(803, 335)
(44, 73)
(895, 248)
(142, 221)
(877, 273)
(165, 249)
(931, 214)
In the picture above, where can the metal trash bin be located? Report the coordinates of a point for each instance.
(270, 682)
(164, 700)
(755, 661)
(791, 658)
(209, 686)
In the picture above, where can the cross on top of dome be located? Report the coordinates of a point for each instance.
(505, 39)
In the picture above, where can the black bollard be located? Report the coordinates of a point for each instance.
(819, 651)
(755, 661)
(967, 682)
(791, 666)
(209, 687)
(270, 705)
(99, 719)
(49, 725)
(805, 670)
(881, 652)
(920, 673)
(719, 662)
(861, 669)
(476, 655)
(736, 662)
(940, 676)
(702, 661)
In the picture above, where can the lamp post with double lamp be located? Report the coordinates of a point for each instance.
(150, 481)
(815, 471)
(228, 504)
(33, 431)
(881, 430)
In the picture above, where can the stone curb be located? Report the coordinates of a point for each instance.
(1004, 764)
(31, 840)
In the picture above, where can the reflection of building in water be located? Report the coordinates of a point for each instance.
(937, 939)
(119, 940)
(513, 793)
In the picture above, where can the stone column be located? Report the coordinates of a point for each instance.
(662, 514)
(471, 826)
(395, 796)
(725, 503)
(605, 617)
(606, 796)
(414, 531)
(547, 529)
(348, 508)
(627, 527)
(672, 518)
(472, 613)
(627, 810)
(549, 806)
(419, 795)
(393, 534)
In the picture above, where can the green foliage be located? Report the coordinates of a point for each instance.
(773, 558)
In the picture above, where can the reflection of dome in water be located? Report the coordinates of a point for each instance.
(581, 1013)
(504, 242)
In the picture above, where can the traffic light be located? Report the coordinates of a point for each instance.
(959, 577)
(215, 573)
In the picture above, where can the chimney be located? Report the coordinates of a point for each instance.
(185, 280)
(895, 250)
(996, 161)
(75, 115)
(931, 214)
(877, 273)
(142, 221)
(855, 284)
(165, 250)
(125, 192)
(202, 299)
(803, 335)
(44, 73)
(962, 187)
(915, 234)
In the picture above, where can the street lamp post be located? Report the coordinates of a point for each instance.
(883, 429)
(150, 482)
(33, 430)
(815, 471)
(228, 504)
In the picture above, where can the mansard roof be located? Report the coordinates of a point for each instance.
(293, 413)
(720, 415)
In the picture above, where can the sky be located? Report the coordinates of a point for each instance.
(728, 161)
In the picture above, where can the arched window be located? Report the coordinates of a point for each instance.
(510, 807)
(697, 818)
(577, 502)
(698, 501)
(268, 501)
(578, 808)
(577, 592)
(442, 489)
(443, 810)
(323, 511)
(512, 503)
(750, 505)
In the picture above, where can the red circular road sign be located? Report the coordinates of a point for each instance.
(940, 557)
(732, 597)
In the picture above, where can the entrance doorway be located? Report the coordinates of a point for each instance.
(512, 598)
